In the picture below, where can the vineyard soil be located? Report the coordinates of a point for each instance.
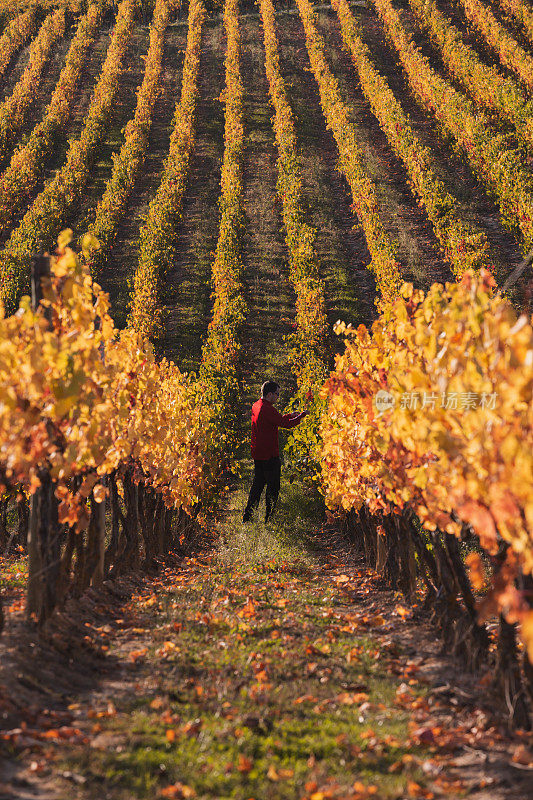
(123, 255)
(269, 297)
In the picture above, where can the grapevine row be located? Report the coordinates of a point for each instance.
(47, 213)
(351, 162)
(221, 349)
(127, 162)
(307, 353)
(486, 84)
(15, 35)
(509, 51)
(157, 236)
(91, 405)
(22, 174)
(14, 108)
(463, 246)
(520, 11)
(490, 153)
(455, 444)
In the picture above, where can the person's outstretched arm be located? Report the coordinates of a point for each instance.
(285, 420)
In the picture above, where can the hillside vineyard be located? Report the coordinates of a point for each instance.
(330, 195)
(431, 140)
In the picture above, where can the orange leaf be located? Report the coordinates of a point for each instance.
(352, 655)
(51, 734)
(136, 654)
(244, 764)
(179, 790)
(341, 579)
(481, 520)
(248, 610)
(476, 570)
(523, 756)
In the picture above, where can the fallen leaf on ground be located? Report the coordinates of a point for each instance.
(341, 579)
(135, 655)
(244, 764)
(522, 755)
(179, 790)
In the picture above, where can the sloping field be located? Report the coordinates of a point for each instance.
(342, 252)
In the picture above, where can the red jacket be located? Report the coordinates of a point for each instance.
(265, 423)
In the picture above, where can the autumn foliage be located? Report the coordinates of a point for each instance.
(22, 174)
(222, 345)
(128, 161)
(45, 217)
(93, 421)
(468, 461)
(511, 54)
(79, 398)
(17, 32)
(520, 12)
(308, 349)
(14, 108)
(495, 91)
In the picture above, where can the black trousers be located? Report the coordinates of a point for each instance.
(265, 472)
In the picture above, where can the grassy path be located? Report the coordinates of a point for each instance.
(249, 658)
(265, 665)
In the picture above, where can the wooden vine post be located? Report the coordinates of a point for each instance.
(93, 556)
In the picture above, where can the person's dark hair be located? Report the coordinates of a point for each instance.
(268, 386)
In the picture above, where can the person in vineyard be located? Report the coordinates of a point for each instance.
(265, 448)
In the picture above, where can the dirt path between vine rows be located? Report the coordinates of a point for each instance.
(340, 244)
(186, 293)
(269, 296)
(265, 664)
